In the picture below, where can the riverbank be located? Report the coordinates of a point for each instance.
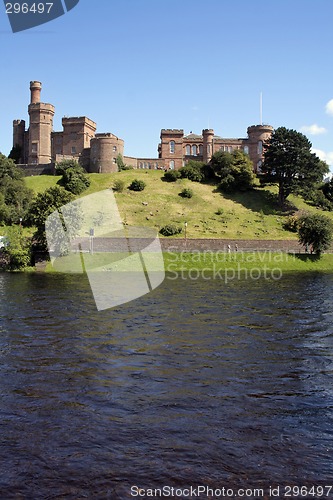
(253, 264)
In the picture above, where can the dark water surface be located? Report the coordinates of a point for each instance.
(195, 383)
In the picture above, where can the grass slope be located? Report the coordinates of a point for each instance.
(209, 214)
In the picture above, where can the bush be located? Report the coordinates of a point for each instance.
(315, 231)
(171, 176)
(74, 180)
(118, 186)
(137, 185)
(194, 171)
(219, 211)
(186, 193)
(170, 230)
(291, 223)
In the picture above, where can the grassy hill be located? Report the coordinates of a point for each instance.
(209, 214)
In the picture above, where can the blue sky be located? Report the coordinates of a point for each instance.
(136, 66)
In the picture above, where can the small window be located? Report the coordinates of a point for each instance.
(114, 160)
(172, 146)
(246, 150)
(34, 147)
(260, 148)
(73, 150)
(172, 165)
(194, 150)
(188, 150)
(259, 166)
(200, 150)
(114, 149)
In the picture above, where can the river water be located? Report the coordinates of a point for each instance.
(197, 383)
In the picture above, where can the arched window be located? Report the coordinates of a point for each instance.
(172, 146)
(194, 150)
(260, 148)
(246, 150)
(201, 150)
(188, 150)
(172, 165)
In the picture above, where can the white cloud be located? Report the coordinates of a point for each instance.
(329, 107)
(328, 157)
(313, 129)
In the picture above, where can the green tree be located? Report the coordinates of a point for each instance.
(16, 154)
(8, 169)
(289, 163)
(233, 170)
(315, 232)
(17, 250)
(120, 162)
(44, 205)
(15, 195)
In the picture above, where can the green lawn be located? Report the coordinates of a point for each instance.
(208, 214)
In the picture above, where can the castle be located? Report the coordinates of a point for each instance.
(40, 147)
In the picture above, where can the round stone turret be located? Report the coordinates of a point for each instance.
(208, 136)
(35, 90)
(257, 136)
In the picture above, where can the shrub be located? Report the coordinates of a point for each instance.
(137, 185)
(171, 176)
(291, 223)
(170, 230)
(194, 171)
(186, 193)
(74, 180)
(219, 211)
(119, 186)
(315, 231)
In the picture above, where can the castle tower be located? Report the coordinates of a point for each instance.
(257, 136)
(208, 136)
(171, 148)
(18, 137)
(35, 90)
(40, 127)
(103, 153)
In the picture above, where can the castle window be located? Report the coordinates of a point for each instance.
(200, 150)
(246, 150)
(259, 166)
(260, 148)
(172, 165)
(188, 150)
(140, 164)
(34, 147)
(73, 150)
(114, 149)
(194, 150)
(172, 146)
(114, 160)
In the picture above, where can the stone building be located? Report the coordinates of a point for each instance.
(41, 147)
